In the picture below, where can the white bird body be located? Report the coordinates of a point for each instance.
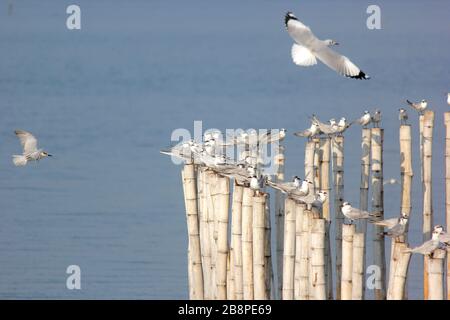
(353, 213)
(310, 132)
(365, 119)
(444, 237)
(402, 115)
(428, 247)
(30, 149)
(448, 99)
(308, 48)
(418, 106)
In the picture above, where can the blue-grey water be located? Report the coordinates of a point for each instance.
(105, 99)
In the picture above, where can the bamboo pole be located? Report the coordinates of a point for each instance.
(236, 234)
(304, 265)
(230, 275)
(447, 190)
(397, 287)
(427, 145)
(299, 214)
(318, 262)
(309, 163)
(279, 220)
(268, 249)
(365, 173)
(316, 164)
(358, 266)
(204, 234)
(348, 230)
(436, 273)
(247, 243)
(289, 250)
(325, 187)
(210, 196)
(259, 228)
(337, 145)
(378, 208)
(223, 196)
(194, 254)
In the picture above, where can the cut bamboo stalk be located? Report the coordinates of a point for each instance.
(358, 266)
(223, 196)
(447, 190)
(279, 220)
(436, 272)
(398, 286)
(247, 243)
(427, 145)
(309, 163)
(316, 164)
(325, 187)
(304, 265)
(268, 249)
(204, 234)
(395, 256)
(299, 213)
(289, 250)
(259, 228)
(378, 209)
(337, 146)
(348, 230)
(195, 259)
(230, 280)
(318, 262)
(236, 234)
(210, 196)
(365, 173)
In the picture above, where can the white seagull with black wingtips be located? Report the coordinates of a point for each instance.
(308, 47)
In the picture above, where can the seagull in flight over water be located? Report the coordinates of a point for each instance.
(308, 48)
(30, 149)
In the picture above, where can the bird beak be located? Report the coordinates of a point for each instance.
(336, 43)
(49, 155)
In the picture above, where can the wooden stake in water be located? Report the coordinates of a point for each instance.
(427, 145)
(204, 233)
(279, 220)
(378, 209)
(301, 253)
(447, 191)
(358, 266)
(436, 274)
(236, 234)
(337, 147)
(365, 173)
(309, 163)
(268, 250)
(247, 243)
(324, 151)
(406, 171)
(195, 259)
(289, 250)
(348, 230)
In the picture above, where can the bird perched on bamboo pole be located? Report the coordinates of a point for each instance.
(396, 227)
(355, 214)
(30, 149)
(297, 187)
(444, 237)
(418, 106)
(403, 116)
(365, 119)
(428, 247)
(309, 133)
(376, 118)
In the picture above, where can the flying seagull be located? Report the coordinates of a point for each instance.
(308, 47)
(30, 149)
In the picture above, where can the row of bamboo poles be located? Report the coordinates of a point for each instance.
(230, 250)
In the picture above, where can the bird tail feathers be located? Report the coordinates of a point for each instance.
(19, 161)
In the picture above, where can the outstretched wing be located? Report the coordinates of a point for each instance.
(302, 56)
(298, 31)
(339, 63)
(27, 140)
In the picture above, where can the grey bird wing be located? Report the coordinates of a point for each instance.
(426, 248)
(27, 140)
(396, 231)
(388, 223)
(413, 105)
(304, 133)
